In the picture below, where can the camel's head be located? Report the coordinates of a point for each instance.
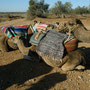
(16, 39)
(71, 25)
(75, 22)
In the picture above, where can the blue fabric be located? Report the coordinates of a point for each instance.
(12, 31)
(35, 42)
(34, 28)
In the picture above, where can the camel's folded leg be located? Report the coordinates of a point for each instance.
(80, 67)
(68, 66)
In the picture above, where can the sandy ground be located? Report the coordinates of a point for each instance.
(17, 73)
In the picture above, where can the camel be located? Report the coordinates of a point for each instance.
(76, 27)
(71, 61)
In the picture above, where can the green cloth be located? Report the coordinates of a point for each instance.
(35, 42)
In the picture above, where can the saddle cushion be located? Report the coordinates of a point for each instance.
(52, 45)
(36, 42)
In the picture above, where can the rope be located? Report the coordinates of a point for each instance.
(30, 26)
(69, 34)
(70, 31)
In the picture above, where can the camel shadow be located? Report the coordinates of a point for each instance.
(48, 81)
(86, 55)
(20, 71)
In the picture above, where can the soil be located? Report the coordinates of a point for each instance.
(16, 73)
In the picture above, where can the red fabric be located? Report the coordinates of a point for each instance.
(42, 27)
(4, 29)
(71, 45)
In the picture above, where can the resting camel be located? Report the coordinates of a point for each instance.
(71, 61)
(76, 27)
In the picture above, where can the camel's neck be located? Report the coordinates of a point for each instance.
(82, 34)
(22, 48)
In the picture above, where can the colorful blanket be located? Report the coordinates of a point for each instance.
(42, 26)
(12, 31)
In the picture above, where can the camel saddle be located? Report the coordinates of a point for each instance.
(52, 44)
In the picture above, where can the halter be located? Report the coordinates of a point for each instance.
(73, 28)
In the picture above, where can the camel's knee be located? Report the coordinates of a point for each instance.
(67, 67)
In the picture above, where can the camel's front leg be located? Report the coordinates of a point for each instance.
(28, 53)
(26, 50)
(67, 66)
(70, 66)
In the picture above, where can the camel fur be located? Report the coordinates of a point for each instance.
(3, 44)
(71, 61)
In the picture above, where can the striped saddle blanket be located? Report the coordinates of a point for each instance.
(41, 26)
(12, 31)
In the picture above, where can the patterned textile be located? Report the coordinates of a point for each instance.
(42, 26)
(52, 45)
(34, 29)
(12, 31)
(35, 42)
(39, 26)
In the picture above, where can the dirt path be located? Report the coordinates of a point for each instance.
(17, 73)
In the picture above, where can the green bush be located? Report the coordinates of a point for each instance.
(37, 9)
